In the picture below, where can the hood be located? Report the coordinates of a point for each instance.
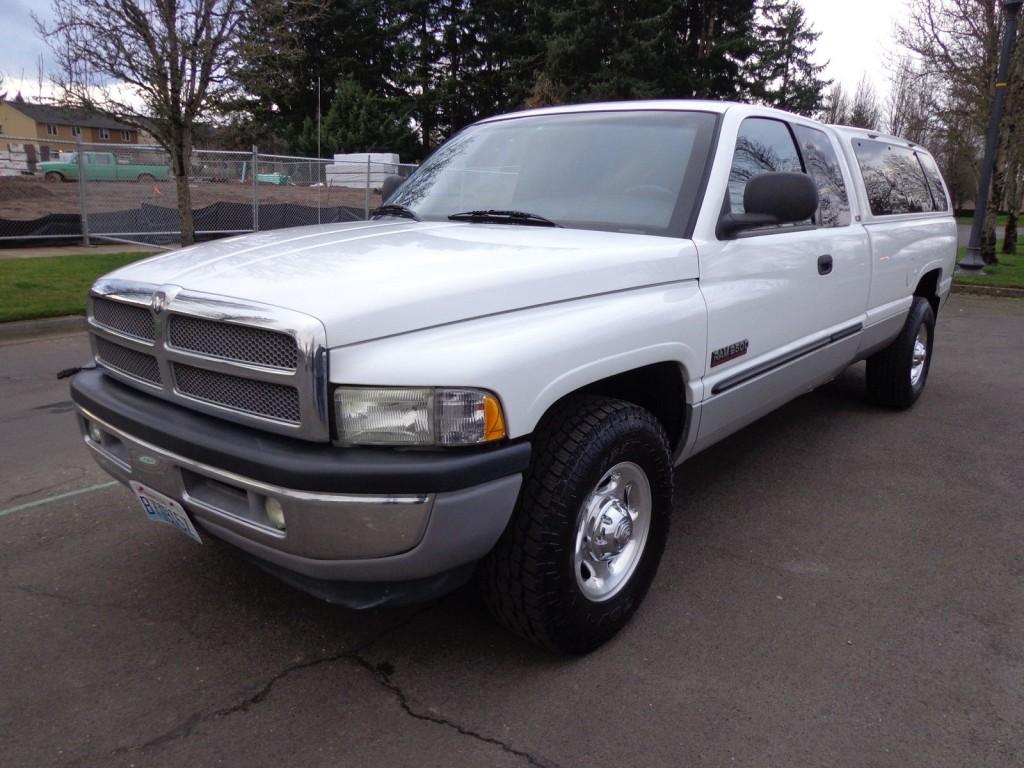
(371, 279)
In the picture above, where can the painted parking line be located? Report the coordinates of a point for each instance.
(58, 497)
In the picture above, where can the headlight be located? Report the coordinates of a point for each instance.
(416, 416)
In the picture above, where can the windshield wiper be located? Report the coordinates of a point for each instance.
(504, 217)
(394, 209)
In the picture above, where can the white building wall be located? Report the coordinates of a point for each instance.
(356, 168)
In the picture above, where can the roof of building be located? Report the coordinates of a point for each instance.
(53, 115)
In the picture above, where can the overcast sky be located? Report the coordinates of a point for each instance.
(856, 37)
(20, 50)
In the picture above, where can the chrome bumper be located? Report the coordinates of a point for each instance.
(330, 536)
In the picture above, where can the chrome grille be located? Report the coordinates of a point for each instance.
(137, 364)
(274, 401)
(234, 342)
(255, 364)
(125, 318)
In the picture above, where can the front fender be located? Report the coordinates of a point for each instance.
(533, 357)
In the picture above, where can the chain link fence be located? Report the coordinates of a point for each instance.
(54, 191)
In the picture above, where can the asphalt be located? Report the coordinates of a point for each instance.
(843, 586)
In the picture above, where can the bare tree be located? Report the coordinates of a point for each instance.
(958, 41)
(158, 64)
(40, 76)
(837, 106)
(865, 111)
(912, 108)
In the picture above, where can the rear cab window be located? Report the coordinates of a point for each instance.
(938, 189)
(899, 180)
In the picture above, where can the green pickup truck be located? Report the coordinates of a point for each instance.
(101, 166)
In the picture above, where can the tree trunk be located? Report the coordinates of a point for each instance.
(988, 240)
(1013, 193)
(181, 161)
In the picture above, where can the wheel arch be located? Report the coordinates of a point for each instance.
(928, 288)
(659, 387)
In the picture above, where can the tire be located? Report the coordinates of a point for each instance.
(146, 178)
(534, 581)
(896, 376)
(53, 177)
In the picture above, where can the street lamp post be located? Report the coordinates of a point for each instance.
(972, 262)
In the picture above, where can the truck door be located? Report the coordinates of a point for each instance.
(785, 303)
(102, 166)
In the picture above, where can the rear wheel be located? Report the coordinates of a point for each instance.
(589, 529)
(896, 376)
(146, 178)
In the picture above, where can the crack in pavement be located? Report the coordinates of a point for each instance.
(55, 484)
(189, 724)
(186, 727)
(381, 674)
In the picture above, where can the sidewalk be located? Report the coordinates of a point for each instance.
(36, 252)
(16, 331)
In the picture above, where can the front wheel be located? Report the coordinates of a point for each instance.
(53, 177)
(589, 529)
(896, 376)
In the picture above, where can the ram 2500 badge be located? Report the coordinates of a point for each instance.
(495, 376)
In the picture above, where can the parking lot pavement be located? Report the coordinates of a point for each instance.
(843, 586)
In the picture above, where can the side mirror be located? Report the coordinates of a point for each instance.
(770, 199)
(389, 186)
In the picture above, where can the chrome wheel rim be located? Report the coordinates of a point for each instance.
(611, 531)
(920, 357)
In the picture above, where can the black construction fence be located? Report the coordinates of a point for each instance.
(55, 191)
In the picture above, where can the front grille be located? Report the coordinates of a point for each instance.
(254, 364)
(262, 398)
(124, 318)
(137, 364)
(234, 342)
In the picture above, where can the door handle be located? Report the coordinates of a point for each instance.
(824, 264)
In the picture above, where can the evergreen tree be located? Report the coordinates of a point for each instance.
(462, 60)
(358, 121)
(630, 49)
(290, 50)
(434, 66)
(708, 44)
(782, 72)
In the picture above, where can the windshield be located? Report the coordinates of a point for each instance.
(619, 171)
(67, 157)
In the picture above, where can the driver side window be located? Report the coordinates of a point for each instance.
(762, 146)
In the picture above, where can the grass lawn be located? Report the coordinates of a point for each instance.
(50, 286)
(1000, 220)
(1008, 273)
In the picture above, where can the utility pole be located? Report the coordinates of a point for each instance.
(972, 263)
(83, 209)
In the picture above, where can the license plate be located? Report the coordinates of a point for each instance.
(163, 509)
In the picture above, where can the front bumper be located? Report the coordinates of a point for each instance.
(352, 515)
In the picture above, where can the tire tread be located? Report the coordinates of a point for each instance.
(516, 577)
(888, 371)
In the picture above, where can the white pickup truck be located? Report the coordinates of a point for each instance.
(496, 375)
